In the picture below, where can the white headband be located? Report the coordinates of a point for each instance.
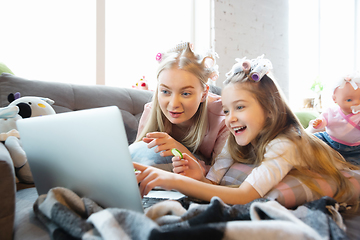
(352, 79)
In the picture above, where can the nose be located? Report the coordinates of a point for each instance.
(231, 117)
(174, 101)
(355, 103)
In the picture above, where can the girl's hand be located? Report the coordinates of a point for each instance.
(164, 143)
(150, 177)
(189, 167)
(317, 123)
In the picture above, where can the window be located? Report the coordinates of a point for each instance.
(49, 40)
(57, 40)
(135, 37)
(324, 44)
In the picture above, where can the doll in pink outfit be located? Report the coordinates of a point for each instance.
(339, 126)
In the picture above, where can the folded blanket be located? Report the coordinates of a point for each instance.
(67, 216)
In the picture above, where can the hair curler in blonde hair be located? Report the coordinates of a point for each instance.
(180, 47)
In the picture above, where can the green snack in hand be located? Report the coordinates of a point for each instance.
(176, 153)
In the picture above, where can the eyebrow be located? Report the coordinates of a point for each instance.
(239, 100)
(236, 102)
(163, 85)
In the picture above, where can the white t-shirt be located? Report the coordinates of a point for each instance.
(279, 158)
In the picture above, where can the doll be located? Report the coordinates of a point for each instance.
(339, 126)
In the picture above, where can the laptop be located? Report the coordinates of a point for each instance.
(87, 152)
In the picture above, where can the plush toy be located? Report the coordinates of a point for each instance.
(21, 107)
(8, 116)
(141, 84)
(31, 106)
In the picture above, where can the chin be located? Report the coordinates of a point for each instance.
(175, 120)
(242, 143)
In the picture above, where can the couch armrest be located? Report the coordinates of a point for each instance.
(7, 190)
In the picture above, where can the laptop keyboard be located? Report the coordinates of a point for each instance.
(185, 201)
(148, 202)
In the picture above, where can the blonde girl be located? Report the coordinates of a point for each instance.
(183, 114)
(265, 132)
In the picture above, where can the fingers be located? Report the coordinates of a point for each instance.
(177, 160)
(139, 166)
(156, 135)
(317, 123)
(189, 158)
(147, 184)
(148, 177)
(179, 165)
(194, 163)
(152, 142)
(147, 140)
(165, 153)
(145, 177)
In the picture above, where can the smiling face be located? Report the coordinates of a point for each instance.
(346, 97)
(179, 94)
(244, 116)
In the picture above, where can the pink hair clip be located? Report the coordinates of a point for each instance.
(159, 57)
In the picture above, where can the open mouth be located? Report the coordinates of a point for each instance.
(175, 114)
(239, 129)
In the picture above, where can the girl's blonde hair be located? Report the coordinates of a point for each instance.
(317, 156)
(182, 57)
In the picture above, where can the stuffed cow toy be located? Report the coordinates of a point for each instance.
(21, 107)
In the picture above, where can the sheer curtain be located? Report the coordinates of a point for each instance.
(324, 44)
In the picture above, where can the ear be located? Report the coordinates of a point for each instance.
(11, 97)
(205, 93)
(334, 98)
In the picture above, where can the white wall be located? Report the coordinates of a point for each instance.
(252, 28)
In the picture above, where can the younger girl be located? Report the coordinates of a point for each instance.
(264, 132)
(183, 114)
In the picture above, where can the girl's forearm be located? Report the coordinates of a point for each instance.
(205, 190)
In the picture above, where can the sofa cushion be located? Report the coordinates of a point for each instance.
(305, 117)
(7, 199)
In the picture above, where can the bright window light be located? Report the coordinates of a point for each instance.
(56, 40)
(49, 40)
(136, 31)
(322, 37)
